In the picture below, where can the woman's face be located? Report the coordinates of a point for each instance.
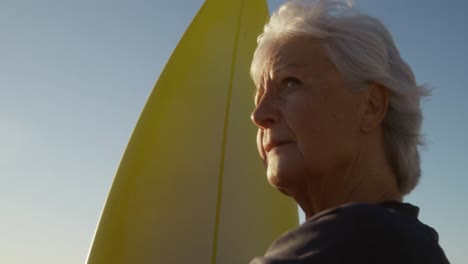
(308, 119)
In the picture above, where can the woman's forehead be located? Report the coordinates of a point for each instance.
(295, 54)
(297, 51)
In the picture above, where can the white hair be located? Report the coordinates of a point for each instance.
(363, 51)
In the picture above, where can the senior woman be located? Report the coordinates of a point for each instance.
(338, 115)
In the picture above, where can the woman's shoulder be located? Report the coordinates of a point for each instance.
(389, 219)
(361, 231)
(357, 210)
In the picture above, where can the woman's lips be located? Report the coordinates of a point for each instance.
(271, 145)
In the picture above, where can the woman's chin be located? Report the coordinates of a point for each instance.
(278, 182)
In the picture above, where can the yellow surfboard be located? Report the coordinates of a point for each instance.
(191, 187)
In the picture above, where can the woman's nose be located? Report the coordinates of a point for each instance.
(265, 113)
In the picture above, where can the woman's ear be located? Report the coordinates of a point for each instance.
(376, 106)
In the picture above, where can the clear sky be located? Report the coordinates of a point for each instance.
(75, 75)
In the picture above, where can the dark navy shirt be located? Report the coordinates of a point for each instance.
(389, 232)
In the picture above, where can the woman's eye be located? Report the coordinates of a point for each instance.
(292, 82)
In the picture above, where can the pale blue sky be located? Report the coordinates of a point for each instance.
(75, 75)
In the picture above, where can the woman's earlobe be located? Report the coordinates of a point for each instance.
(375, 107)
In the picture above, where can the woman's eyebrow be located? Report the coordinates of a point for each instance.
(260, 88)
(274, 71)
(285, 67)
